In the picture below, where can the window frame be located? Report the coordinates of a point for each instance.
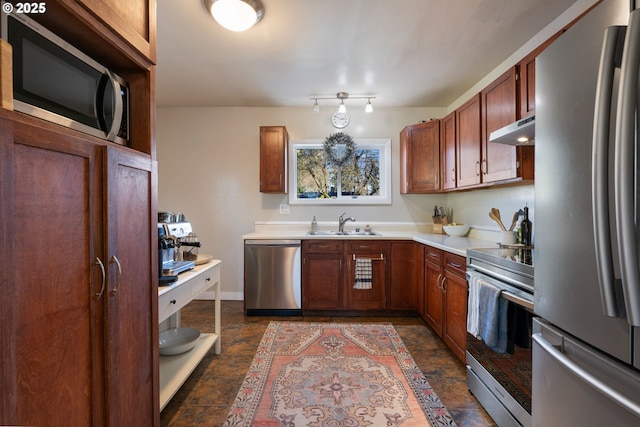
(384, 198)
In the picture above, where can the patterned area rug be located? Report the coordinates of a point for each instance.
(338, 375)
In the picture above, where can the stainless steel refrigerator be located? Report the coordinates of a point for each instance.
(586, 343)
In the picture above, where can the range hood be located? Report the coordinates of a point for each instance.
(522, 132)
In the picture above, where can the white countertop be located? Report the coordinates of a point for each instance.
(456, 245)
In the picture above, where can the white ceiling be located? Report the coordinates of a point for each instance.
(406, 53)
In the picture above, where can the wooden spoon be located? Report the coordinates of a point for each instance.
(494, 214)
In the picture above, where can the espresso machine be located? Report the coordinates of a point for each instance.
(173, 238)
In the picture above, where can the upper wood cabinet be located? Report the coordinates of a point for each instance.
(500, 109)
(448, 151)
(468, 142)
(274, 143)
(420, 158)
(527, 79)
(123, 32)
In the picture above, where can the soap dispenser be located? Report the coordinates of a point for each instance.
(314, 225)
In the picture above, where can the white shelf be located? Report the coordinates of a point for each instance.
(174, 370)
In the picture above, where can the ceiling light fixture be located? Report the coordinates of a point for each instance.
(235, 15)
(342, 107)
(368, 108)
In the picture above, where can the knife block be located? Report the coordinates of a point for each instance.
(438, 222)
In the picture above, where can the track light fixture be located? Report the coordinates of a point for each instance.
(235, 15)
(342, 108)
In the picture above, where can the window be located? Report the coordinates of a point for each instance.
(366, 179)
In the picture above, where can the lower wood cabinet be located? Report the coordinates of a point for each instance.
(328, 275)
(445, 298)
(404, 275)
(322, 274)
(373, 297)
(454, 286)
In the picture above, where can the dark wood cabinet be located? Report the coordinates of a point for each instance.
(130, 296)
(329, 273)
(454, 287)
(375, 296)
(322, 274)
(448, 151)
(420, 158)
(499, 109)
(469, 142)
(123, 32)
(274, 142)
(403, 281)
(433, 276)
(81, 288)
(445, 298)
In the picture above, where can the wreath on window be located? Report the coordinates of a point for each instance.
(340, 138)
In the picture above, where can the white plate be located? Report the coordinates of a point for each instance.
(178, 340)
(203, 259)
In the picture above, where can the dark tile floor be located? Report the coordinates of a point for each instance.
(207, 395)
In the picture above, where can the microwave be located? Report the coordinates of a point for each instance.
(54, 81)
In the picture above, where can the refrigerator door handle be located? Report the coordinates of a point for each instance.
(610, 59)
(625, 157)
(585, 376)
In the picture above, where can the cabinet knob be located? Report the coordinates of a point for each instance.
(172, 301)
(208, 279)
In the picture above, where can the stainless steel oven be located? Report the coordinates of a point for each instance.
(499, 361)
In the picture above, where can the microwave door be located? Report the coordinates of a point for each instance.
(109, 105)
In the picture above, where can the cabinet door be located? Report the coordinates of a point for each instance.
(52, 316)
(448, 151)
(322, 281)
(132, 309)
(403, 285)
(131, 21)
(468, 142)
(420, 158)
(373, 298)
(500, 109)
(274, 142)
(433, 277)
(455, 306)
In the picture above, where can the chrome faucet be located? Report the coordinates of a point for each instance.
(342, 220)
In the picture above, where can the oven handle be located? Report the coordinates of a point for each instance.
(517, 300)
(494, 274)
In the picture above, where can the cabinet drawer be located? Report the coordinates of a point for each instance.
(432, 255)
(172, 301)
(455, 263)
(204, 281)
(324, 246)
(367, 246)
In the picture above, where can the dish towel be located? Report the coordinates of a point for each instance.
(363, 274)
(473, 308)
(492, 317)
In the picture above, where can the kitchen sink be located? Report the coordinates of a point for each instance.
(344, 233)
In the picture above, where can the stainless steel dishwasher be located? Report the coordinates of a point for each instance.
(272, 277)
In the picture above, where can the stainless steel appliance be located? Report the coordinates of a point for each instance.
(272, 277)
(55, 81)
(500, 378)
(168, 266)
(586, 346)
